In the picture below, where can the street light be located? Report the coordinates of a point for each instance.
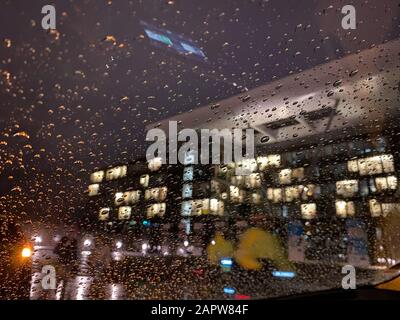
(26, 252)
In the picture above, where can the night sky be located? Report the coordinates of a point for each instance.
(79, 97)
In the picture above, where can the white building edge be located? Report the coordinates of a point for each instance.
(356, 94)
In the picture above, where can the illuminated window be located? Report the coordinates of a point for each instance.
(93, 189)
(186, 208)
(262, 163)
(310, 191)
(308, 210)
(385, 183)
(156, 209)
(347, 188)
(298, 174)
(124, 213)
(344, 208)
(292, 193)
(306, 192)
(286, 176)
(253, 180)
(188, 174)
(274, 194)
(187, 190)
(390, 208)
(255, 198)
(157, 194)
(119, 198)
(238, 180)
(383, 209)
(131, 197)
(372, 165)
(201, 206)
(216, 207)
(236, 195)
(97, 177)
(265, 162)
(116, 173)
(352, 165)
(247, 165)
(375, 208)
(104, 214)
(144, 180)
(155, 164)
(387, 163)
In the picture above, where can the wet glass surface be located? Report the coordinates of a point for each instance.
(86, 86)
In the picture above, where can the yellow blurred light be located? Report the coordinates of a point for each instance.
(26, 252)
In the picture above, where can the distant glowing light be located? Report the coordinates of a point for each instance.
(38, 239)
(26, 252)
(86, 253)
(117, 256)
(229, 290)
(115, 291)
(146, 223)
(83, 284)
(87, 243)
(118, 244)
(226, 262)
(186, 243)
(213, 242)
(242, 297)
(145, 246)
(283, 274)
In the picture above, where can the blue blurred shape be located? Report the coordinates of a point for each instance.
(229, 290)
(283, 274)
(158, 37)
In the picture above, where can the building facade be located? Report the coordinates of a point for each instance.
(324, 179)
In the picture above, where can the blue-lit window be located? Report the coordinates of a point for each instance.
(188, 174)
(285, 211)
(186, 208)
(187, 190)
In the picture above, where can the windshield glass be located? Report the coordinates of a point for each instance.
(198, 149)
